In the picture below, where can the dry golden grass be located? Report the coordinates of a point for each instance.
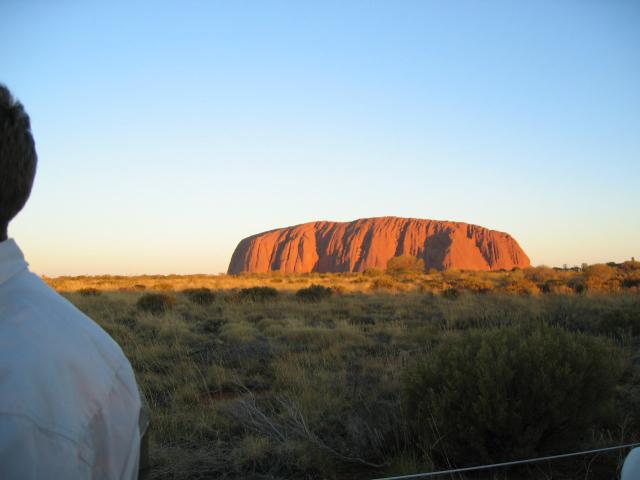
(278, 387)
(600, 278)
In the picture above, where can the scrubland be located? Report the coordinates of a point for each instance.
(376, 374)
(603, 278)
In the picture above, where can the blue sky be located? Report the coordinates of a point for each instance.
(168, 131)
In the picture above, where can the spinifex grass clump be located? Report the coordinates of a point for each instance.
(89, 292)
(156, 303)
(314, 293)
(200, 296)
(257, 294)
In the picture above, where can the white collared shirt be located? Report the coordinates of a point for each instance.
(69, 403)
(631, 466)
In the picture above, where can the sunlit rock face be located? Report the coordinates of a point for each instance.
(371, 242)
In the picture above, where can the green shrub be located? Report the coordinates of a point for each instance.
(405, 264)
(257, 294)
(200, 296)
(89, 292)
(513, 392)
(617, 323)
(314, 293)
(155, 303)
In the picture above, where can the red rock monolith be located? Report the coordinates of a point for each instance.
(371, 242)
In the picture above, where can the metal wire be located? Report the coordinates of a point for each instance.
(509, 464)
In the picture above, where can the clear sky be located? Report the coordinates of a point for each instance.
(168, 131)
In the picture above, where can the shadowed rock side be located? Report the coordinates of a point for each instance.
(371, 242)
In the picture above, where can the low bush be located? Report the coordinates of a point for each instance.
(451, 293)
(514, 392)
(632, 280)
(89, 292)
(200, 296)
(314, 293)
(383, 283)
(238, 332)
(405, 264)
(617, 324)
(372, 272)
(556, 287)
(578, 285)
(522, 287)
(630, 266)
(540, 274)
(257, 294)
(155, 303)
(478, 285)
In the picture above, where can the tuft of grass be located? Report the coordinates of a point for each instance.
(257, 294)
(156, 303)
(200, 296)
(240, 332)
(89, 292)
(314, 293)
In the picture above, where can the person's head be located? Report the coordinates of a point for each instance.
(18, 159)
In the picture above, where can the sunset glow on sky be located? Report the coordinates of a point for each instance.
(169, 131)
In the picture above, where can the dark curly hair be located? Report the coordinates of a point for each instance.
(18, 158)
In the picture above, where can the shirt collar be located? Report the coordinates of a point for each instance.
(11, 260)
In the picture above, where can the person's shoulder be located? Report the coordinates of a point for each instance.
(34, 313)
(55, 361)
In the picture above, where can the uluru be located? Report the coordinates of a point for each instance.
(326, 246)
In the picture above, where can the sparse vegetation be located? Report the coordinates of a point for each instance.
(519, 391)
(599, 278)
(405, 264)
(156, 303)
(200, 296)
(314, 293)
(264, 385)
(89, 292)
(257, 294)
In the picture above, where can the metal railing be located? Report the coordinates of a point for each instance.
(509, 464)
